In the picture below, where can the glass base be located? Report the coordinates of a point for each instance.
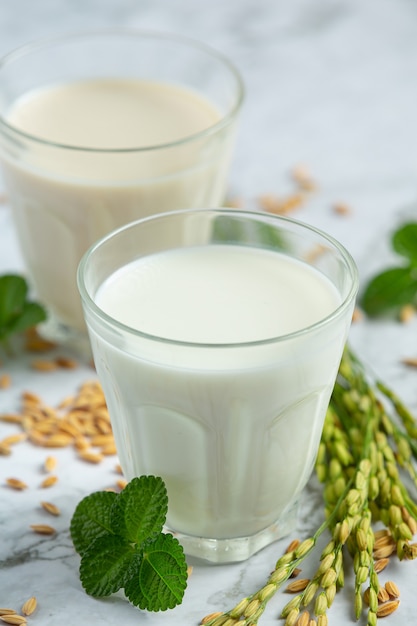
(240, 548)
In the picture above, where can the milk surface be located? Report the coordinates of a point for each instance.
(217, 294)
(65, 196)
(112, 114)
(232, 429)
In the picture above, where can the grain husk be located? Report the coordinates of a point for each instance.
(50, 508)
(42, 365)
(66, 363)
(89, 456)
(210, 616)
(387, 609)
(16, 483)
(297, 585)
(5, 449)
(29, 606)
(381, 564)
(304, 619)
(293, 545)
(13, 619)
(392, 590)
(5, 381)
(12, 439)
(50, 463)
(49, 481)
(43, 529)
(383, 595)
(11, 418)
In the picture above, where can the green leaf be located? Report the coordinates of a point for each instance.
(31, 314)
(13, 291)
(140, 509)
(121, 545)
(92, 519)
(105, 565)
(161, 575)
(389, 290)
(16, 312)
(404, 241)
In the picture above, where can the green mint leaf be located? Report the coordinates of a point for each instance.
(16, 312)
(121, 545)
(140, 509)
(404, 241)
(389, 291)
(31, 314)
(160, 576)
(13, 291)
(105, 564)
(92, 519)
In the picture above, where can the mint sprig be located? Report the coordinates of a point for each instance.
(17, 312)
(120, 540)
(395, 287)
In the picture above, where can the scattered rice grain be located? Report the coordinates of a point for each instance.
(90, 457)
(13, 618)
(42, 365)
(17, 484)
(29, 606)
(380, 565)
(383, 595)
(50, 508)
(11, 418)
(66, 363)
(50, 463)
(60, 440)
(12, 439)
(5, 450)
(49, 481)
(341, 208)
(43, 529)
(410, 361)
(386, 609)
(5, 381)
(406, 314)
(392, 590)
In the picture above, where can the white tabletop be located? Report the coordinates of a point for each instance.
(331, 85)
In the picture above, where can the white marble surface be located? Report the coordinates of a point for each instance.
(330, 83)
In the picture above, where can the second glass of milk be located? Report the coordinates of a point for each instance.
(217, 336)
(100, 129)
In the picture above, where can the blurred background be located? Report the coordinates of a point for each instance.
(330, 84)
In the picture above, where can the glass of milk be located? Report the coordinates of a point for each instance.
(217, 336)
(100, 129)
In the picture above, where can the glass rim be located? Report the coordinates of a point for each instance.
(42, 43)
(111, 321)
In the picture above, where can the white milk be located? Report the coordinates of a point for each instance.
(66, 198)
(233, 430)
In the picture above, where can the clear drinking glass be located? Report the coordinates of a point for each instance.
(64, 196)
(232, 427)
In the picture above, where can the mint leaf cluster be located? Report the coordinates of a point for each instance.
(395, 287)
(122, 546)
(17, 312)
